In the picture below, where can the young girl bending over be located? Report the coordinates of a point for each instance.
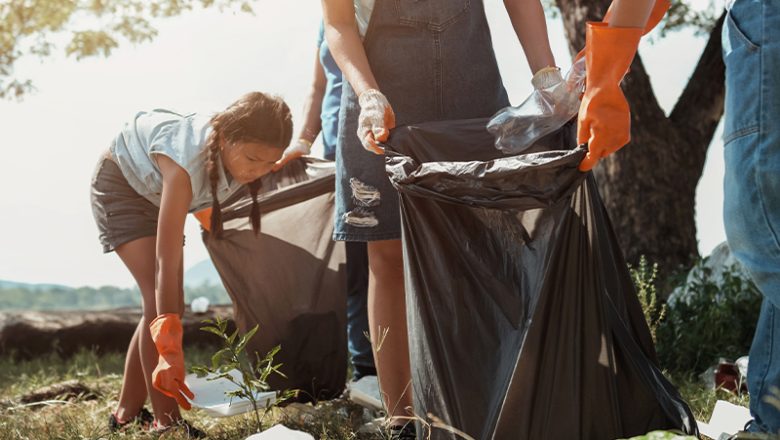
(161, 166)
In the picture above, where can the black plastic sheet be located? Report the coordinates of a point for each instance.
(523, 319)
(290, 278)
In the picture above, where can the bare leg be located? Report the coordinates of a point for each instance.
(387, 322)
(133, 394)
(139, 256)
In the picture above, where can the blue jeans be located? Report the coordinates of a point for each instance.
(357, 310)
(360, 351)
(751, 51)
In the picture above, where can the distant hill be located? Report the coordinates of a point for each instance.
(15, 284)
(201, 273)
(199, 280)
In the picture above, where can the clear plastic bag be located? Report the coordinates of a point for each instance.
(543, 112)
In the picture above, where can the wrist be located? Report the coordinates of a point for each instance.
(547, 77)
(166, 331)
(306, 142)
(369, 94)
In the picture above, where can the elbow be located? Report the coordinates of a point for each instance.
(336, 29)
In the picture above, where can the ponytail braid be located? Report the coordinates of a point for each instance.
(254, 214)
(213, 169)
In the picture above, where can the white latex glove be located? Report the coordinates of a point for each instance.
(301, 147)
(553, 94)
(375, 121)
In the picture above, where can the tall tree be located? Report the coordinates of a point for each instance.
(29, 28)
(649, 187)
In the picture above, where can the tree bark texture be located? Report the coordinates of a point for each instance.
(649, 186)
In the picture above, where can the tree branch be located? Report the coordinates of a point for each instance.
(698, 111)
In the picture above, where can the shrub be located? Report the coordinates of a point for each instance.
(707, 319)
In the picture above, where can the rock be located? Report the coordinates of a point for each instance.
(710, 269)
(30, 334)
(300, 413)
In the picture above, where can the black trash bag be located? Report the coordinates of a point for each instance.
(523, 319)
(290, 278)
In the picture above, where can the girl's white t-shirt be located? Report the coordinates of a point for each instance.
(180, 137)
(363, 9)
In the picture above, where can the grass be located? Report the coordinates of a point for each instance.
(85, 417)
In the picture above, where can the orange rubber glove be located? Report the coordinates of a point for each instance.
(656, 15)
(604, 122)
(204, 218)
(375, 121)
(168, 377)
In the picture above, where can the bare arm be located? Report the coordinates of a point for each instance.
(345, 44)
(531, 28)
(312, 106)
(176, 197)
(630, 13)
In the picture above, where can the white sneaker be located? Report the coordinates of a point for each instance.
(365, 392)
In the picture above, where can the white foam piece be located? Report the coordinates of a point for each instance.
(727, 418)
(211, 395)
(280, 432)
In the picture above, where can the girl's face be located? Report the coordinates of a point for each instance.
(248, 161)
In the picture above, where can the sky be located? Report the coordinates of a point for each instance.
(203, 61)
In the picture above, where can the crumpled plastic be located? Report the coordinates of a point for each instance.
(544, 111)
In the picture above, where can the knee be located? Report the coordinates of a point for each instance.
(385, 259)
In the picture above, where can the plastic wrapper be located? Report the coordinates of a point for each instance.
(543, 112)
(290, 278)
(523, 320)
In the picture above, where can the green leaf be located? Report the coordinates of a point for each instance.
(245, 339)
(213, 330)
(200, 371)
(216, 359)
(232, 337)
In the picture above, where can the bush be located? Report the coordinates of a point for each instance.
(707, 319)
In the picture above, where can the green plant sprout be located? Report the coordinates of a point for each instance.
(644, 280)
(233, 356)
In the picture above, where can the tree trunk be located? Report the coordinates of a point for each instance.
(649, 187)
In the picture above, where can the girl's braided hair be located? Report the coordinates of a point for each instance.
(255, 117)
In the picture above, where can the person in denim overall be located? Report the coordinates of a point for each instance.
(434, 60)
(421, 61)
(751, 136)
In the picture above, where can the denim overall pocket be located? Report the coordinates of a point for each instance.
(435, 15)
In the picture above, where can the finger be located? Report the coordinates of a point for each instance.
(583, 132)
(184, 403)
(186, 390)
(294, 155)
(389, 120)
(381, 134)
(588, 162)
(370, 144)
